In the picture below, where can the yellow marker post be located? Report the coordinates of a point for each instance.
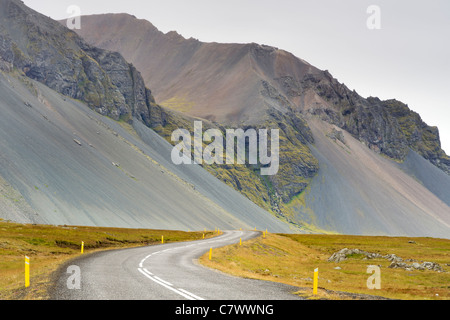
(162, 240)
(210, 254)
(203, 236)
(316, 281)
(82, 247)
(240, 241)
(27, 272)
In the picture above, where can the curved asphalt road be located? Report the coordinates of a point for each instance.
(165, 272)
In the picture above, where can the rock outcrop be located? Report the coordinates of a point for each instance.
(396, 262)
(343, 254)
(48, 52)
(433, 266)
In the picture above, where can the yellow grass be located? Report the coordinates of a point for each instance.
(50, 246)
(178, 104)
(291, 259)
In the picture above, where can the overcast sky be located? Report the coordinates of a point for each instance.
(407, 59)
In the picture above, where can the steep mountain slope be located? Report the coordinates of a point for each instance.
(70, 163)
(55, 56)
(227, 83)
(251, 85)
(74, 166)
(242, 84)
(358, 191)
(13, 205)
(428, 175)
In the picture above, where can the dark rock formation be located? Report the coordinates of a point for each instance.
(48, 52)
(387, 127)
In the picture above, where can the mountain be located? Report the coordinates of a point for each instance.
(226, 83)
(75, 146)
(184, 91)
(340, 152)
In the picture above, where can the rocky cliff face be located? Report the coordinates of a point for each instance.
(46, 51)
(387, 127)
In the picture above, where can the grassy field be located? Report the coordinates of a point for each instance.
(291, 259)
(50, 246)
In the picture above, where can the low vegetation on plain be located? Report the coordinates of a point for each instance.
(50, 246)
(291, 259)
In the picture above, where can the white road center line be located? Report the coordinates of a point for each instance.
(183, 293)
(191, 294)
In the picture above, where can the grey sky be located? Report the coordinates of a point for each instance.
(408, 59)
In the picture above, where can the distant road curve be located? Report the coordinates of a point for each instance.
(164, 272)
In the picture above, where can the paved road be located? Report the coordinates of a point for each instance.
(165, 272)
